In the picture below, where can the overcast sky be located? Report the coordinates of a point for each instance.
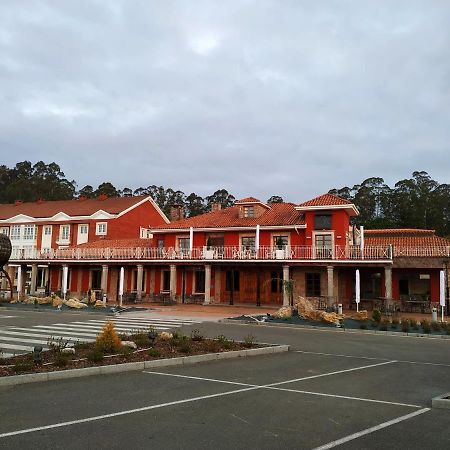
(258, 97)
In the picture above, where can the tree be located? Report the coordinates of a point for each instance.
(221, 196)
(86, 191)
(106, 189)
(275, 199)
(195, 205)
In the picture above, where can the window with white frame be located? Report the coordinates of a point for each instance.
(145, 233)
(4, 230)
(29, 232)
(83, 229)
(47, 230)
(64, 232)
(101, 228)
(249, 211)
(15, 232)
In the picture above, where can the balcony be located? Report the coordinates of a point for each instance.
(294, 253)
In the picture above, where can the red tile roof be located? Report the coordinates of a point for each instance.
(87, 207)
(247, 200)
(278, 214)
(117, 243)
(405, 237)
(326, 200)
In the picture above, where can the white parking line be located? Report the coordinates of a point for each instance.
(357, 435)
(376, 359)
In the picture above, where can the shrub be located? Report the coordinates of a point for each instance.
(384, 325)
(249, 340)
(413, 324)
(405, 325)
(82, 346)
(185, 348)
(126, 351)
(426, 327)
(394, 324)
(196, 335)
(95, 355)
(436, 326)
(22, 366)
(108, 340)
(140, 339)
(154, 353)
(57, 344)
(61, 360)
(224, 341)
(376, 315)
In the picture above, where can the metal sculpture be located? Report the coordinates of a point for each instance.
(5, 254)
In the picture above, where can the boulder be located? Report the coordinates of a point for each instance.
(99, 304)
(284, 312)
(129, 344)
(165, 336)
(74, 303)
(57, 301)
(68, 351)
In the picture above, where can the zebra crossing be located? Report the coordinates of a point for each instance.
(19, 340)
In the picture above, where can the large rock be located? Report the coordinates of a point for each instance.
(74, 303)
(129, 344)
(57, 301)
(68, 351)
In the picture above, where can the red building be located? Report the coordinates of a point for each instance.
(254, 253)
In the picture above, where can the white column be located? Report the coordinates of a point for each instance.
(388, 284)
(207, 283)
(19, 282)
(357, 290)
(104, 282)
(140, 276)
(330, 280)
(257, 240)
(34, 269)
(65, 274)
(191, 240)
(361, 231)
(285, 286)
(121, 280)
(173, 282)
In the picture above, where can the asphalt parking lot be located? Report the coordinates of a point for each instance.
(333, 389)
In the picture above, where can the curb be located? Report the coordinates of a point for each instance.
(441, 402)
(141, 365)
(336, 329)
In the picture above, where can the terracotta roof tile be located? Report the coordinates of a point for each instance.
(326, 200)
(247, 200)
(112, 205)
(278, 214)
(117, 243)
(404, 237)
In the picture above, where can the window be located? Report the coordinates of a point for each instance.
(47, 230)
(249, 211)
(160, 243)
(276, 282)
(101, 228)
(183, 243)
(96, 279)
(145, 233)
(248, 243)
(64, 232)
(199, 281)
(324, 245)
(313, 284)
(232, 275)
(4, 230)
(280, 241)
(15, 232)
(29, 232)
(322, 222)
(83, 229)
(165, 281)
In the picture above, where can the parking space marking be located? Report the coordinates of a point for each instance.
(357, 435)
(321, 394)
(366, 357)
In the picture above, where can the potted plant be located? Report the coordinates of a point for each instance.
(208, 252)
(279, 251)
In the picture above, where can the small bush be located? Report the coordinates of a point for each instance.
(127, 352)
(213, 346)
(376, 315)
(394, 324)
(426, 327)
(436, 326)
(140, 339)
(413, 324)
(61, 360)
(108, 340)
(224, 341)
(95, 355)
(185, 348)
(57, 344)
(154, 353)
(249, 340)
(23, 366)
(196, 335)
(405, 325)
(384, 325)
(82, 346)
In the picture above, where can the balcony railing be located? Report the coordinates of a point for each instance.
(202, 253)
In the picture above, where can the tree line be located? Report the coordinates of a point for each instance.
(30, 182)
(417, 202)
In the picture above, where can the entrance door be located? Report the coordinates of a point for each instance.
(323, 246)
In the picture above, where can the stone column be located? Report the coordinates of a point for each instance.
(104, 282)
(207, 284)
(330, 289)
(140, 275)
(388, 284)
(34, 269)
(173, 282)
(152, 280)
(286, 286)
(217, 284)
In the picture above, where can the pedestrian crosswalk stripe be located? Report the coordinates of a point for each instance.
(14, 339)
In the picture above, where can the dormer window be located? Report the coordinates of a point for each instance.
(101, 228)
(249, 211)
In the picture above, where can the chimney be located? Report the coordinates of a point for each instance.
(176, 213)
(82, 198)
(40, 200)
(18, 202)
(216, 206)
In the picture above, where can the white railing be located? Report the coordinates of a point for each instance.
(422, 252)
(299, 252)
